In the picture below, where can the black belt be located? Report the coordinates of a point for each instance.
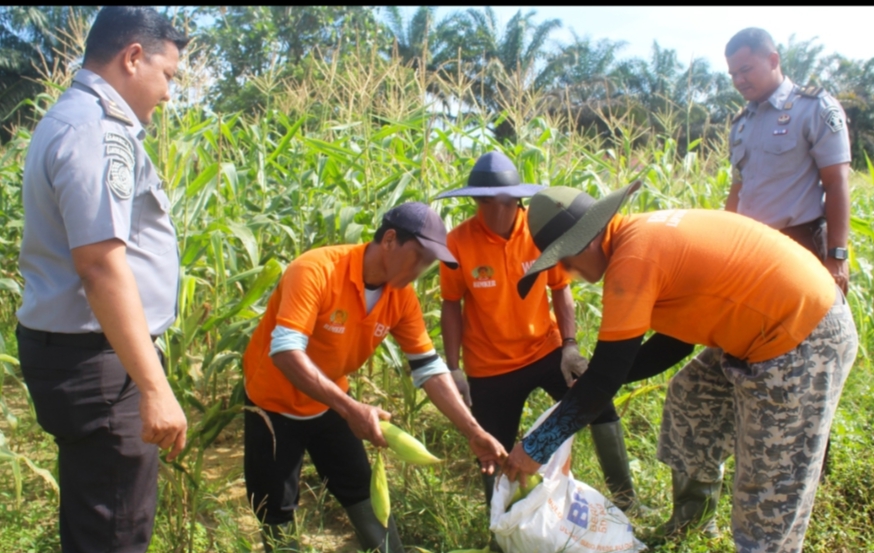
(85, 340)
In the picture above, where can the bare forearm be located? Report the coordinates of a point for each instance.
(733, 197)
(563, 305)
(299, 369)
(835, 182)
(450, 326)
(112, 293)
(443, 394)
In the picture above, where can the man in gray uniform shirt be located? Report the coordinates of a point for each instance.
(101, 268)
(790, 158)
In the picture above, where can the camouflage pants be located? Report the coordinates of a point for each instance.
(774, 416)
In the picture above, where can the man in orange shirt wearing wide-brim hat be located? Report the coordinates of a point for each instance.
(722, 280)
(512, 346)
(332, 308)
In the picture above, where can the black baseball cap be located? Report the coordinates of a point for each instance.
(420, 220)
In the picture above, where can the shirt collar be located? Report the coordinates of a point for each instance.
(97, 84)
(356, 267)
(778, 97)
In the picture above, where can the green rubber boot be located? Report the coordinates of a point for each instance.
(694, 507)
(610, 448)
(372, 535)
(279, 538)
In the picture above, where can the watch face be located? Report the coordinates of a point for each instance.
(838, 253)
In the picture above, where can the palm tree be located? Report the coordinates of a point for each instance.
(32, 42)
(495, 59)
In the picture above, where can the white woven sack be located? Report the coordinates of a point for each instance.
(559, 515)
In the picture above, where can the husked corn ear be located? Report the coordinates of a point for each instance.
(405, 446)
(379, 491)
(521, 492)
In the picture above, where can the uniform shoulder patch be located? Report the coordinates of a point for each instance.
(811, 91)
(738, 115)
(834, 119)
(112, 110)
(119, 155)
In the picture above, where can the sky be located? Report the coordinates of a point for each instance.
(703, 31)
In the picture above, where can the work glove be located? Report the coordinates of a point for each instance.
(462, 385)
(573, 365)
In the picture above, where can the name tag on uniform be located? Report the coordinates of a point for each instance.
(781, 131)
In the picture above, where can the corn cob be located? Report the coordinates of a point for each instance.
(379, 491)
(521, 492)
(406, 447)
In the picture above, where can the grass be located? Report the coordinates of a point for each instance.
(330, 155)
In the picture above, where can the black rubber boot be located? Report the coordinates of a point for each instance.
(489, 485)
(279, 538)
(610, 448)
(371, 533)
(694, 507)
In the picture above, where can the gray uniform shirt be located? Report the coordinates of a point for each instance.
(777, 148)
(88, 179)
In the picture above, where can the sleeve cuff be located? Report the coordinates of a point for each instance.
(432, 367)
(286, 339)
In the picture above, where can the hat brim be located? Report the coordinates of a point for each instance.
(440, 251)
(578, 237)
(517, 191)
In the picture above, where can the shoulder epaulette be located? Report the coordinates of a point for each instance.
(112, 110)
(811, 91)
(738, 115)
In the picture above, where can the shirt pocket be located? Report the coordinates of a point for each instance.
(738, 153)
(779, 144)
(154, 232)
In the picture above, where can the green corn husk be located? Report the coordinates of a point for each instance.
(406, 447)
(522, 493)
(379, 491)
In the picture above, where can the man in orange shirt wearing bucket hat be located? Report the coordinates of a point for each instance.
(504, 361)
(722, 280)
(331, 309)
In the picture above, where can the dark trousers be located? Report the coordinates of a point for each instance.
(107, 475)
(273, 461)
(498, 401)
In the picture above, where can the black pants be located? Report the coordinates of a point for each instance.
(108, 476)
(498, 400)
(273, 480)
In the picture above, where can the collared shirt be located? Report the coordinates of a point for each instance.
(714, 278)
(501, 331)
(87, 179)
(777, 150)
(321, 295)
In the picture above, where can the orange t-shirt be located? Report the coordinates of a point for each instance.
(501, 332)
(321, 295)
(714, 278)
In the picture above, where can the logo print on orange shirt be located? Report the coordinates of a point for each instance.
(482, 277)
(337, 322)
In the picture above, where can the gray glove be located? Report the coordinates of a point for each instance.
(462, 385)
(573, 365)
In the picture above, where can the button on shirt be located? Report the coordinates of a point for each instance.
(88, 179)
(501, 332)
(777, 149)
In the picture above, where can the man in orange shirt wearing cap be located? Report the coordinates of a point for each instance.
(719, 279)
(482, 315)
(332, 308)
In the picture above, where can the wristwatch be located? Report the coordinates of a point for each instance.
(838, 253)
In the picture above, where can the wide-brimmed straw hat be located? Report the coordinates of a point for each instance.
(563, 221)
(493, 174)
